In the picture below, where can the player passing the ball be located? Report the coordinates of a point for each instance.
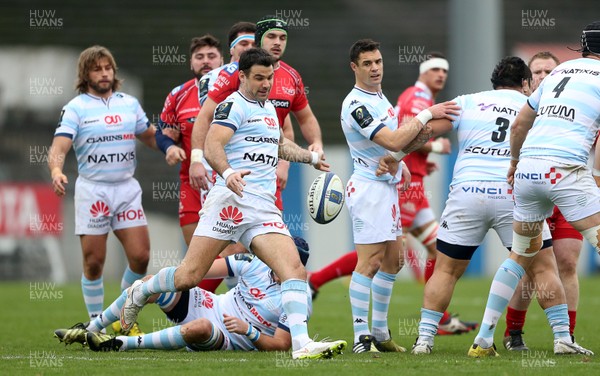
(371, 129)
(241, 205)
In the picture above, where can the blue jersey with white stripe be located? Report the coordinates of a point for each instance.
(567, 103)
(254, 145)
(483, 131)
(363, 115)
(103, 132)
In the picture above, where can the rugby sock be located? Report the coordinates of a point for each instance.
(572, 321)
(428, 325)
(93, 295)
(558, 317)
(429, 267)
(360, 295)
(503, 287)
(129, 276)
(382, 293)
(110, 315)
(344, 265)
(515, 320)
(210, 284)
(166, 339)
(294, 299)
(163, 281)
(165, 300)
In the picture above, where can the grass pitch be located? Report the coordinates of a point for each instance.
(31, 312)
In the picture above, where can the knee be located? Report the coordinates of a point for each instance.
(93, 267)
(196, 331)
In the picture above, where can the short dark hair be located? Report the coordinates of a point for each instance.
(203, 41)
(510, 72)
(241, 27)
(255, 56)
(360, 46)
(543, 55)
(434, 54)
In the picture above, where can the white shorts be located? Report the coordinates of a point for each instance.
(540, 184)
(226, 216)
(473, 208)
(100, 207)
(373, 207)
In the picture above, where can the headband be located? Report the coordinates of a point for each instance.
(436, 62)
(241, 38)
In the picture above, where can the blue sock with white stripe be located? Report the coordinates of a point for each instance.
(93, 295)
(163, 281)
(428, 326)
(294, 299)
(558, 317)
(129, 276)
(503, 287)
(360, 296)
(382, 293)
(166, 339)
(110, 314)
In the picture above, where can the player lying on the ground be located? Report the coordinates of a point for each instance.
(247, 317)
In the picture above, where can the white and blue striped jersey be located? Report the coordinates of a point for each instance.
(104, 133)
(254, 145)
(567, 103)
(207, 81)
(483, 131)
(256, 298)
(363, 115)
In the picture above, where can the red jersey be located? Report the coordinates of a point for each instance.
(412, 101)
(287, 93)
(180, 110)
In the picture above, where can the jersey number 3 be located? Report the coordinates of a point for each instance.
(500, 134)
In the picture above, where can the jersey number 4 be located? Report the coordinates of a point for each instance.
(560, 87)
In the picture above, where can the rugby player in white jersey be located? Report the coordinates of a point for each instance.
(479, 176)
(248, 317)
(371, 129)
(550, 143)
(243, 145)
(102, 125)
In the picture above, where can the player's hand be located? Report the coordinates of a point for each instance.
(387, 164)
(172, 133)
(406, 177)
(282, 172)
(198, 176)
(234, 324)
(316, 146)
(322, 165)
(431, 167)
(510, 175)
(445, 110)
(174, 155)
(235, 182)
(58, 181)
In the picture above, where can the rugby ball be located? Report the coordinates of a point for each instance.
(325, 197)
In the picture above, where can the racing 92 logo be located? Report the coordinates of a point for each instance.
(271, 123)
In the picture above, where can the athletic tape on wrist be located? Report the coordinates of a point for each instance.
(315, 158)
(437, 146)
(197, 155)
(228, 173)
(424, 116)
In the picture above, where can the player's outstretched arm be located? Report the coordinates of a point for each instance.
(56, 160)
(281, 340)
(398, 139)
(289, 151)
